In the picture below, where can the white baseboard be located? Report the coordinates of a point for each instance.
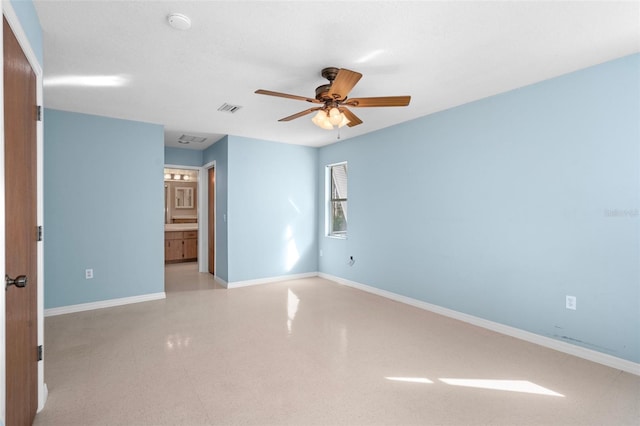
(259, 281)
(103, 304)
(580, 352)
(44, 391)
(220, 281)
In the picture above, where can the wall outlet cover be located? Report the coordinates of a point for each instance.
(571, 302)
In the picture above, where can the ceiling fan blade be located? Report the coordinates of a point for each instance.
(353, 119)
(345, 81)
(285, 95)
(384, 101)
(300, 114)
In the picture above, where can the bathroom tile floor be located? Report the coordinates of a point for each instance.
(310, 352)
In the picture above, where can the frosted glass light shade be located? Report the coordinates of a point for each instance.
(322, 120)
(327, 120)
(335, 116)
(326, 124)
(318, 118)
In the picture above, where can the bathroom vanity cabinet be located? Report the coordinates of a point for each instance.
(180, 246)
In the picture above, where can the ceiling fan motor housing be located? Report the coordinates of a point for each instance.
(330, 73)
(322, 93)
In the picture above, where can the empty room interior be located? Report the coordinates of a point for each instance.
(320, 213)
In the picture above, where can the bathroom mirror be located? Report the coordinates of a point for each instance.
(184, 198)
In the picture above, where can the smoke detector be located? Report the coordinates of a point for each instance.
(179, 21)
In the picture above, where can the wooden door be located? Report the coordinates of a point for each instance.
(211, 214)
(20, 116)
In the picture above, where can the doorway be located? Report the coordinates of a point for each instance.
(189, 237)
(181, 225)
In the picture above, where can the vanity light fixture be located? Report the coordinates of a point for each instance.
(182, 176)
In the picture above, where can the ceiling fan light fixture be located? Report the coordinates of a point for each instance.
(344, 121)
(326, 124)
(335, 116)
(322, 120)
(317, 118)
(328, 120)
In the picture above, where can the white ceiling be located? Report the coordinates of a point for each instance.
(443, 54)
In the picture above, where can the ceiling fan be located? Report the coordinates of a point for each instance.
(333, 101)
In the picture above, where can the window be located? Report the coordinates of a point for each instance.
(337, 200)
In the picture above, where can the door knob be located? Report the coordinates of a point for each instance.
(20, 281)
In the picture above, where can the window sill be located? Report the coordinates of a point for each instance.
(337, 237)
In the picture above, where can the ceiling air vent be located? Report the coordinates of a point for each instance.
(229, 108)
(185, 139)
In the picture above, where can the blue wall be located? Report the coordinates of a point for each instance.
(219, 152)
(501, 207)
(272, 216)
(103, 204)
(182, 157)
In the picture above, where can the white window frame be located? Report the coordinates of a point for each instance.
(329, 201)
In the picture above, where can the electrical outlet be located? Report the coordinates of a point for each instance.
(320, 253)
(571, 302)
(88, 274)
